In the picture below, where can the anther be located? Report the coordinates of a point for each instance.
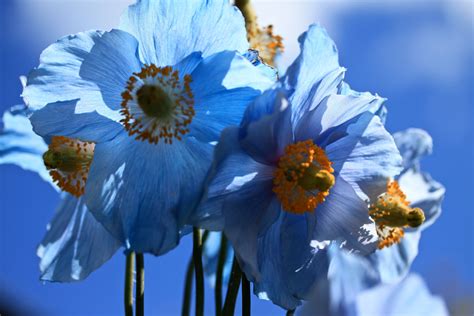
(303, 178)
(68, 161)
(392, 212)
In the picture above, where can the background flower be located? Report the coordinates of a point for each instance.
(75, 243)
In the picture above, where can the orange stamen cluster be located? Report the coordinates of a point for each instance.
(392, 212)
(266, 43)
(68, 161)
(176, 94)
(293, 168)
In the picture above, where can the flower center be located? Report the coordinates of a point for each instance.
(303, 178)
(68, 161)
(392, 212)
(157, 104)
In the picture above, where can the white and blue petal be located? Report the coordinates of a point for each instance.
(344, 217)
(75, 244)
(144, 195)
(223, 85)
(20, 146)
(265, 139)
(169, 30)
(364, 154)
(408, 297)
(76, 91)
(413, 143)
(334, 111)
(315, 73)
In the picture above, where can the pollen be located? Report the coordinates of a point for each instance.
(68, 161)
(303, 178)
(157, 104)
(392, 213)
(266, 43)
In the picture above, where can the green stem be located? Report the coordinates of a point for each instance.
(290, 312)
(246, 298)
(232, 289)
(140, 285)
(220, 274)
(188, 288)
(128, 286)
(197, 258)
(188, 283)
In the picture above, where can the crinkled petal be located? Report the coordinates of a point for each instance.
(265, 139)
(271, 283)
(423, 192)
(57, 76)
(344, 217)
(109, 65)
(394, 262)
(143, 193)
(333, 111)
(90, 69)
(413, 143)
(60, 119)
(290, 263)
(233, 170)
(170, 30)
(239, 200)
(408, 297)
(364, 154)
(75, 244)
(20, 146)
(223, 85)
(348, 275)
(315, 73)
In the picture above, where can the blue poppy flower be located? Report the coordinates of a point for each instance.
(295, 175)
(145, 102)
(75, 244)
(423, 193)
(351, 275)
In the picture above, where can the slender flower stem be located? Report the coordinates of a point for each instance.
(246, 298)
(140, 285)
(197, 258)
(128, 286)
(290, 312)
(232, 289)
(188, 288)
(188, 283)
(220, 274)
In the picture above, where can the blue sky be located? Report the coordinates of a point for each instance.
(417, 54)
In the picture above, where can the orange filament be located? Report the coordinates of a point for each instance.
(68, 161)
(392, 212)
(266, 43)
(303, 178)
(157, 104)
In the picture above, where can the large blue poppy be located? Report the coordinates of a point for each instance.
(75, 243)
(297, 175)
(146, 102)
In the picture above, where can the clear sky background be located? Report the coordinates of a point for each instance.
(418, 54)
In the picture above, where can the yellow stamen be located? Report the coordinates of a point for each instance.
(303, 178)
(392, 212)
(157, 104)
(68, 161)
